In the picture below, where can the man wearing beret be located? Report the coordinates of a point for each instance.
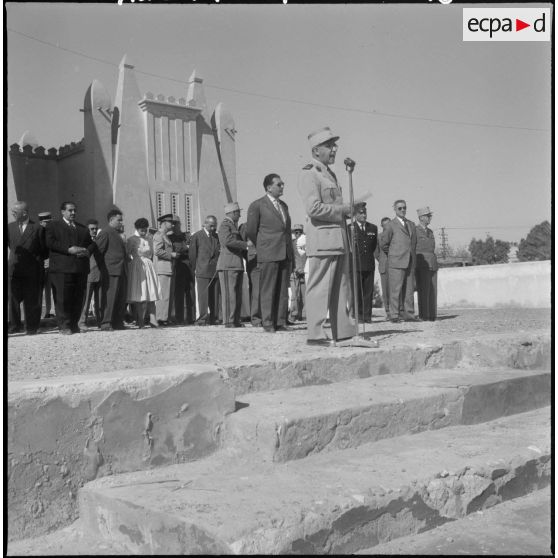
(230, 265)
(268, 226)
(427, 267)
(163, 259)
(366, 242)
(399, 242)
(327, 246)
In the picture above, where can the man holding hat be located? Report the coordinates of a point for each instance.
(298, 286)
(327, 245)
(230, 265)
(163, 259)
(426, 267)
(268, 226)
(366, 242)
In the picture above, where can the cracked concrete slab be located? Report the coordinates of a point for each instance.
(337, 502)
(65, 431)
(293, 423)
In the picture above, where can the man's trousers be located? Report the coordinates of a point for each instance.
(274, 292)
(113, 300)
(69, 290)
(253, 271)
(365, 286)
(328, 289)
(208, 299)
(24, 289)
(427, 293)
(231, 295)
(401, 292)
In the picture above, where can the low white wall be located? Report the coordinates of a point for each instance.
(525, 284)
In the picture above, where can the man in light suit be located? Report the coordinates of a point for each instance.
(204, 253)
(427, 267)
(230, 265)
(399, 242)
(70, 247)
(381, 256)
(163, 259)
(327, 246)
(27, 252)
(268, 226)
(112, 248)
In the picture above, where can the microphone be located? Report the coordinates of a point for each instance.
(349, 164)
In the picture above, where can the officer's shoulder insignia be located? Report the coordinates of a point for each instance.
(308, 166)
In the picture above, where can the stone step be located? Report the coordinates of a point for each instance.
(290, 424)
(518, 527)
(329, 365)
(336, 502)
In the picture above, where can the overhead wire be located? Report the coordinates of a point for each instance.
(287, 99)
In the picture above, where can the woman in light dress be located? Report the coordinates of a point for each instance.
(143, 285)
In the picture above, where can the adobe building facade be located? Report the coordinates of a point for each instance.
(146, 154)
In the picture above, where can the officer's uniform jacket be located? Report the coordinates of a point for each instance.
(367, 242)
(233, 248)
(426, 244)
(162, 253)
(326, 233)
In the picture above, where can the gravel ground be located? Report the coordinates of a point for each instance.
(51, 354)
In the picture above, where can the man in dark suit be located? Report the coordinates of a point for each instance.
(268, 226)
(204, 253)
(399, 243)
(184, 292)
(44, 218)
(25, 267)
(381, 256)
(113, 271)
(427, 267)
(70, 247)
(366, 242)
(93, 290)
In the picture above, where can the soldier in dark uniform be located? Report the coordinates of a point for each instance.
(184, 295)
(366, 242)
(426, 271)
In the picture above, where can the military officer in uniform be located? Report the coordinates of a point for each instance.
(327, 245)
(366, 242)
(426, 267)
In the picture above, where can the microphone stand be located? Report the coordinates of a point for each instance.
(357, 340)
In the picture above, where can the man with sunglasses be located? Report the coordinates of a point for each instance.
(399, 241)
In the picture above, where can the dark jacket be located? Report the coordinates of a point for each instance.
(204, 253)
(233, 248)
(27, 250)
(367, 241)
(113, 250)
(426, 244)
(266, 229)
(59, 237)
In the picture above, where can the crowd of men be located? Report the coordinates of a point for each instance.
(88, 265)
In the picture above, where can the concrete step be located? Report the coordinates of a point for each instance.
(518, 527)
(336, 502)
(329, 365)
(290, 424)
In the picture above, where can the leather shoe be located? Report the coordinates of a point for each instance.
(65, 332)
(155, 326)
(31, 332)
(282, 328)
(413, 319)
(320, 342)
(106, 327)
(14, 329)
(239, 325)
(269, 329)
(395, 320)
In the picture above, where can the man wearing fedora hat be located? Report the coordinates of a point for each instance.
(426, 267)
(230, 265)
(163, 258)
(327, 245)
(268, 226)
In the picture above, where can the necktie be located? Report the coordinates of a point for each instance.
(20, 225)
(278, 208)
(406, 226)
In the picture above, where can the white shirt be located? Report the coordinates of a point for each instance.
(277, 205)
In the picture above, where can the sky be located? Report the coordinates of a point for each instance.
(461, 127)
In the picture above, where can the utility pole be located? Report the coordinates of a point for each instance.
(444, 237)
